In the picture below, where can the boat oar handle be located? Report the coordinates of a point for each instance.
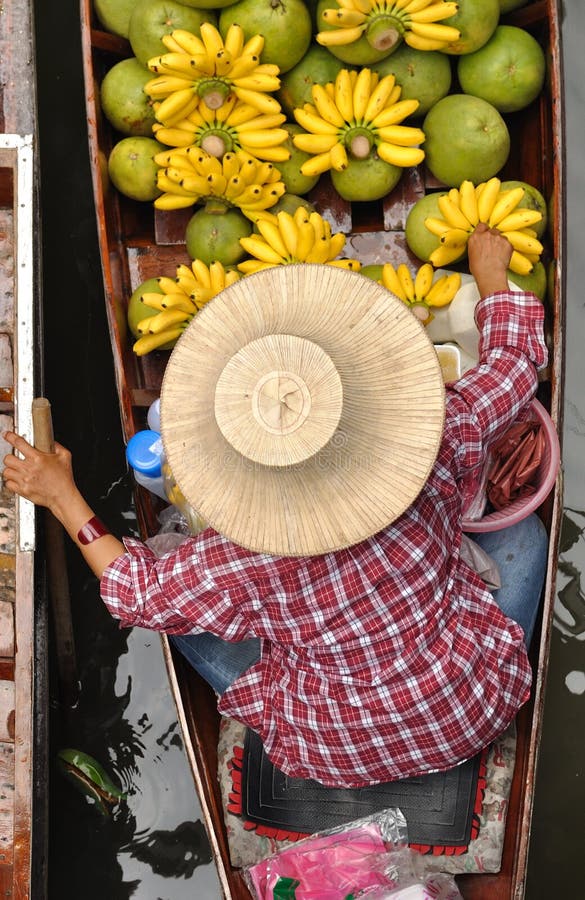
(43, 425)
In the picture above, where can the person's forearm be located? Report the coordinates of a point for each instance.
(74, 512)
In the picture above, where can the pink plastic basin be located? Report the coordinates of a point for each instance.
(545, 479)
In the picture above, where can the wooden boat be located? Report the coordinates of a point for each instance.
(23, 620)
(137, 243)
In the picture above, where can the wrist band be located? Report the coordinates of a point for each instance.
(91, 531)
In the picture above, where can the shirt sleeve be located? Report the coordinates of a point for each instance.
(179, 592)
(482, 404)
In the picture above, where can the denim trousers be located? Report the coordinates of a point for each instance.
(520, 552)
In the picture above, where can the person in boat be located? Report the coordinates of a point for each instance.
(386, 658)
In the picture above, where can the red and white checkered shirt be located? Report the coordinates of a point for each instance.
(389, 658)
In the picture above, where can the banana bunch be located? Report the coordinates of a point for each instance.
(301, 238)
(188, 175)
(352, 116)
(421, 292)
(181, 298)
(464, 207)
(385, 23)
(234, 126)
(209, 69)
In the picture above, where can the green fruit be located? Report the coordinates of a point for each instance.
(213, 234)
(360, 53)
(476, 20)
(366, 179)
(373, 271)
(532, 199)
(508, 71)
(137, 310)
(114, 15)
(318, 66)
(507, 6)
(418, 237)
(466, 138)
(151, 19)
(132, 168)
(290, 170)
(536, 281)
(423, 75)
(125, 105)
(285, 25)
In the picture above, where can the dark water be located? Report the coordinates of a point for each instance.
(154, 847)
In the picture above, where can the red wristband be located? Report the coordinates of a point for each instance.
(91, 531)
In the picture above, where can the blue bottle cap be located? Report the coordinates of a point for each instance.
(144, 451)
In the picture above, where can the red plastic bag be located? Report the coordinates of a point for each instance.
(515, 459)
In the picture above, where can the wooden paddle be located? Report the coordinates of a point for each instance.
(57, 569)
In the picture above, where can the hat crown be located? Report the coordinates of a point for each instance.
(279, 400)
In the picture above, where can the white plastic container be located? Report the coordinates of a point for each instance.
(153, 416)
(144, 454)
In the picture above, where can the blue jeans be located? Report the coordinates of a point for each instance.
(520, 552)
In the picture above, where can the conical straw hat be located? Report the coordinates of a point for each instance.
(302, 410)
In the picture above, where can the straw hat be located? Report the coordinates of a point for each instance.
(302, 410)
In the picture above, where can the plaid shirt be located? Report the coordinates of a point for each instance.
(383, 660)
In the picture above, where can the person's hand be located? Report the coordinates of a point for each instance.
(44, 478)
(489, 253)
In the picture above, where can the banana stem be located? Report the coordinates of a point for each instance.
(213, 93)
(214, 145)
(360, 145)
(214, 206)
(383, 33)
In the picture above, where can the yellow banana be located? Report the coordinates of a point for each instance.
(347, 18)
(395, 113)
(400, 156)
(174, 201)
(305, 240)
(272, 154)
(435, 12)
(336, 244)
(165, 85)
(317, 164)
(421, 43)
(521, 218)
(258, 247)
(257, 122)
(234, 40)
(507, 201)
(288, 232)
(153, 300)
(178, 64)
(196, 184)
(217, 184)
(414, 6)
(262, 101)
(455, 237)
(313, 123)
(338, 156)
(243, 66)
(201, 272)
(443, 290)
(443, 256)
(168, 285)
(177, 106)
(171, 44)
(217, 276)
(265, 137)
(344, 95)
(339, 37)
(523, 243)
(249, 266)
(174, 137)
(487, 199)
(436, 226)
(452, 213)
(353, 265)
(255, 45)
(229, 164)
(392, 283)
(423, 280)
(379, 97)
(320, 251)
(149, 342)
(272, 235)
(445, 33)
(520, 264)
(255, 82)
(164, 183)
(361, 95)
(320, 227)
(401, 135)
(406, 281)
(188, 42)
(162, 321)
(314, 143)
(179, 302)
(468, 202)
(326, 107)
(211, 38)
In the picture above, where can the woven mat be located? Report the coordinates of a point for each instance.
(248, 844)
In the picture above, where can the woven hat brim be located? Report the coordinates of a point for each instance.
(388, 436)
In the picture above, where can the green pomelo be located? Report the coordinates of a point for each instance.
(532, 199)
(114, 15)
(137, 310)
(366, 179)
(285, 25)
(213, 234)
(124, 104)
(151, 19)
(476, 20)
(132, 168)
(317, 66)
(508, 71)
(423, 75)
(536, 281)
(507, 6)
(360, 53)
(373, 271)
(466, 138)
(290, 170)
(418, 237)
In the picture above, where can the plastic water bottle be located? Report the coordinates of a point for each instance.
(153, 416)
(145, 455)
